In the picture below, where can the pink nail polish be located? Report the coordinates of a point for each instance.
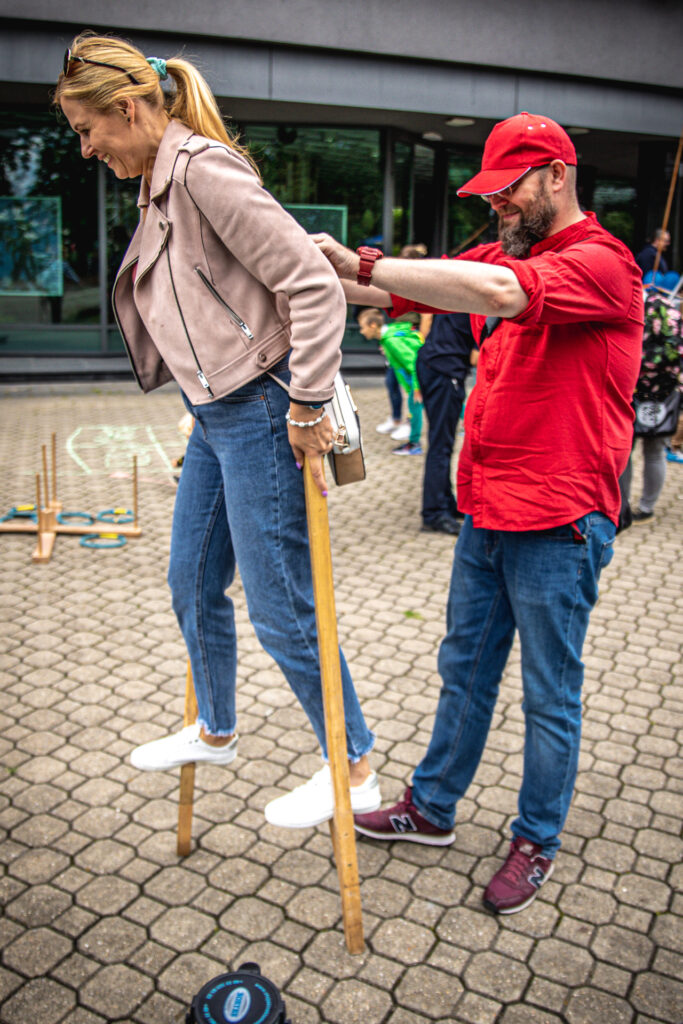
(298, 465)
(324, 494)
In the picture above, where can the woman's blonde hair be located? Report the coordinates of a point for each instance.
(191, 102)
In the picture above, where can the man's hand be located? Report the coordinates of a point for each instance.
(344, 261)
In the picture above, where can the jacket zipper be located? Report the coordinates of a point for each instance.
(118, 322)
(200, 373)
(231, 312)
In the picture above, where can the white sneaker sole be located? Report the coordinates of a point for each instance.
(365, 803)
(409, 837)
(222, 756)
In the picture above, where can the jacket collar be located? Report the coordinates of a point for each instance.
(173, 138)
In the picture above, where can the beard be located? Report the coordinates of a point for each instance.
(516, 240)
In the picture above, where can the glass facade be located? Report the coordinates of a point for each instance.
(65, 222)
(328, 168)
(40, 284)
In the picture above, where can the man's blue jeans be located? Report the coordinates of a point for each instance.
(241, 503)
(543, 584)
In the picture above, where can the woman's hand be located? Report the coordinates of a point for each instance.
(343, 260)
(310, 443)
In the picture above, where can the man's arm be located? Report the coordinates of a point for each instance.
(458, 285)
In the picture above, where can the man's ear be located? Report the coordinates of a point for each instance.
(558, 175)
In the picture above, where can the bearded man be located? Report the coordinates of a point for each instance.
(557, 306)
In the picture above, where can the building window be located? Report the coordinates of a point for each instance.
(468, 218)
(333, 168)
(614, 203)
(49, 269)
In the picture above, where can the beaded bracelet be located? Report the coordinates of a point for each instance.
(309, 423)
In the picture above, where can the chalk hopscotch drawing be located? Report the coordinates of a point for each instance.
(110, 449)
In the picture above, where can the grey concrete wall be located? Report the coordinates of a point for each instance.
(357, 81)
(623, 40)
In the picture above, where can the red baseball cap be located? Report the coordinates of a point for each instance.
(514, 147)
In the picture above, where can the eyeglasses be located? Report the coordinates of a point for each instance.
(69, 57)
(507, 193)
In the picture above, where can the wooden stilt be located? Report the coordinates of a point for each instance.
(341, 826)
(187, 774)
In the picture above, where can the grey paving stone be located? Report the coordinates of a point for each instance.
(116, 991)
(93, 886)
(428, 992)
(37, 952)
(43, 999)
(496, 976)
(354, 1002)
(659, 996)
(402, 940)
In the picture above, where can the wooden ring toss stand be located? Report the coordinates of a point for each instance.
(47, 524)
(341, 825)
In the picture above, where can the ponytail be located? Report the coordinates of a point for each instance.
(194, 104)
(107, 80)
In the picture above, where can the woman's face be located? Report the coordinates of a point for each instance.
(108, 136)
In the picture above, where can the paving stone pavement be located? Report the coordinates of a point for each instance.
(103, 922)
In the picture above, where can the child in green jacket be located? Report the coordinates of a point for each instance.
(400, 343)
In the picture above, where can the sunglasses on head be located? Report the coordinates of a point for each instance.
(70, 57)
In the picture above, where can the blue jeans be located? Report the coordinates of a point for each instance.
(543, 584)
(443, 398)
(395, 396)
(240, 502)
(414, 407)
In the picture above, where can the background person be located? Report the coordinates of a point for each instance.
(210, 236)
(443, 363)
(557, 304)
(660, 379)
(400, 343)
(648, 254)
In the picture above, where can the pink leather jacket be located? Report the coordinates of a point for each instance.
(219, 282)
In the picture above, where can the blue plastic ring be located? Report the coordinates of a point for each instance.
(14, 513)
(95, 540)
(84, 517)
(110, 515)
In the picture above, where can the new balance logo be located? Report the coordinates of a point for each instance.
(536, 878)
(402, 823)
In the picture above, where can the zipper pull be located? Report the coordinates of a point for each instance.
(241, 324)
(204, 382)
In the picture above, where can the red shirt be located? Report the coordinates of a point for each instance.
(549, 423)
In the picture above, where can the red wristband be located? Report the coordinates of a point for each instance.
(368, 258)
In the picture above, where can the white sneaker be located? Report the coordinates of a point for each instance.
(182, 747)
(313, 803)
(401, 433)
(387, 426)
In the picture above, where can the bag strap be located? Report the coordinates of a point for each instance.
(277, 380)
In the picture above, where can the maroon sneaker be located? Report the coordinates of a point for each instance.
(517, 883)
(402, 821)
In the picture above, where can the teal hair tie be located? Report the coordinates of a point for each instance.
(159, 66)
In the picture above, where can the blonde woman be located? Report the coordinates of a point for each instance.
(222, 290)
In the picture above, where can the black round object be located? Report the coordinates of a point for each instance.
(242, 997)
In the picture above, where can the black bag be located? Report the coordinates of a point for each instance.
(657, 398)
(657, 418)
